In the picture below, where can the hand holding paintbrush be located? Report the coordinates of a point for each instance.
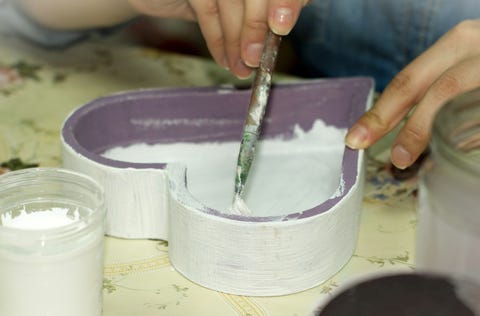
(256, 110)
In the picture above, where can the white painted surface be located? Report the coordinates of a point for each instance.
(264, 258)
(242, 257)
(287, 176)
(136, 199)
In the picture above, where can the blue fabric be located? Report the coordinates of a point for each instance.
(372, 37)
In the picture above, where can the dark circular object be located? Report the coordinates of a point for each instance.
(400, 295)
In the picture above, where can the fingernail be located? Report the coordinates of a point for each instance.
(401, 158)
(254, 53)
(241, 70)
(357, 137)
(282, 21)
(225, 63)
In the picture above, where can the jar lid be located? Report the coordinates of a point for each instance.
(406, 294)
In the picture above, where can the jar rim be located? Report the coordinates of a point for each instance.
(456, 131)
(25, 176)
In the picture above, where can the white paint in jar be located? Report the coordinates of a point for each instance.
(51, 244)
(50, 218)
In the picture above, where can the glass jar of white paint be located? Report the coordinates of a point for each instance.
(448, 237)
(51, 243)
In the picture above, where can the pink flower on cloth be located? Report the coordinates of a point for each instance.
(9, 78)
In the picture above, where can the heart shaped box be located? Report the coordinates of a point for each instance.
(243, 255)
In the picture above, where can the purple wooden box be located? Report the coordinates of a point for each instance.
(204, 243)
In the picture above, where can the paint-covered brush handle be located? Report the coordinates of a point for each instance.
(256, 110)
(263, 81)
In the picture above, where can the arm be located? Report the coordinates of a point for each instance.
(446, 69)
(77, 15)
(233, 30)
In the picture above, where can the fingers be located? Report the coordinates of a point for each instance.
(208, 16)
(233, 22)
(164, 8)
(278, 15)
(254, 30)
(414, 136)
(431, 79)
(245, 24)
(283, 14)
(221, 23)
(235, 30)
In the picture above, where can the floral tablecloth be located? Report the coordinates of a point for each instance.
(39, 88)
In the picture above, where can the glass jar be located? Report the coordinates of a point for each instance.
(50, 265)
(448, 236)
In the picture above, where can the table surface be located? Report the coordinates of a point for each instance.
(39, 88)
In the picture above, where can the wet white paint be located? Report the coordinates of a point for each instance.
(287, 176)
(42, 219)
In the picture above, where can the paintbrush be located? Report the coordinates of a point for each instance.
(256, 110)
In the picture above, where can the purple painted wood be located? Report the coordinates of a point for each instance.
(209, 114)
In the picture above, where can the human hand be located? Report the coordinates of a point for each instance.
(449, 67)
(234, 30)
